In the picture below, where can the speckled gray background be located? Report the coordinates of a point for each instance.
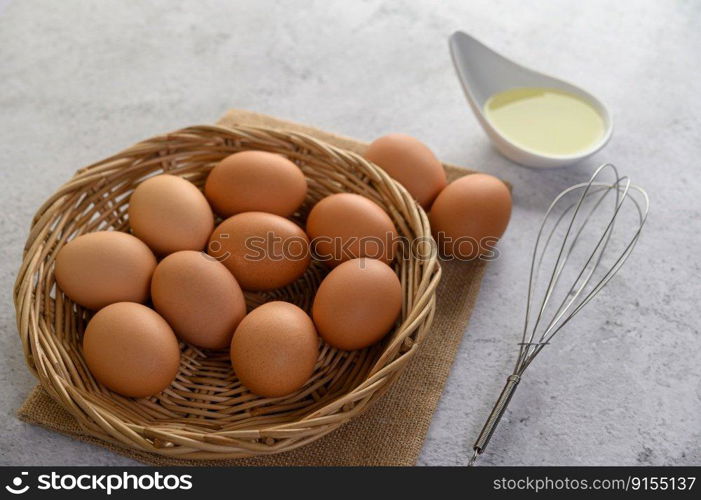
(80, 80)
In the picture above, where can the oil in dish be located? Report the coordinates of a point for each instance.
(546, 121)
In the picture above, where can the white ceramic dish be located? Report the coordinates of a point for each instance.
(483, 72)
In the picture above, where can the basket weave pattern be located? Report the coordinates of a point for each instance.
(206, 413)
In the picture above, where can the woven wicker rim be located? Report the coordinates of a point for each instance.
(206, 413)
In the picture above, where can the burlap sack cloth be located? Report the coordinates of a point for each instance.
(392, 431)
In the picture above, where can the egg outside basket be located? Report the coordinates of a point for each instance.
(206, 413)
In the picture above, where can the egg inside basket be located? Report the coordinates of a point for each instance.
(206, 413)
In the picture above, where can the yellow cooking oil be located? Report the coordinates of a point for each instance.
(547, 121)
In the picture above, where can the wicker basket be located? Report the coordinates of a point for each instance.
(206, 413)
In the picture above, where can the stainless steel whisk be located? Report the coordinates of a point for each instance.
(598, 200)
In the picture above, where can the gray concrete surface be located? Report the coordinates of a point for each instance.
(80, 80)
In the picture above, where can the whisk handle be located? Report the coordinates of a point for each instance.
(497, 412)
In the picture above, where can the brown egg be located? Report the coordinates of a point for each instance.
(411, 163)
(169, 214)
(470, 215)
(97, 269)
(255, 181)
(263, 251)
(131, 349)
(274, 349)
(199, 298)
(357, 304)
(345, 226)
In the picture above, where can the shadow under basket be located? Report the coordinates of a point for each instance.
(206, 413)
